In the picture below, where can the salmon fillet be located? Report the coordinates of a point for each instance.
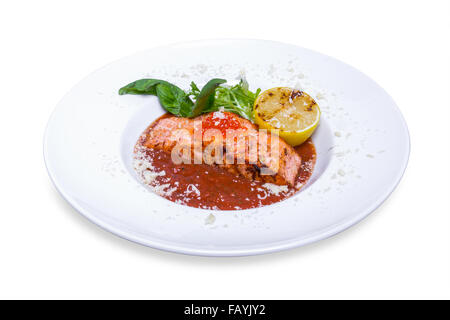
(252, 153)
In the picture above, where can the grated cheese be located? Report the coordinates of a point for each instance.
(218, 115)
(210, 219)
(275, 189)
(191, 188)
(146, 172)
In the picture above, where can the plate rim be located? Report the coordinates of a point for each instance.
(159, 244)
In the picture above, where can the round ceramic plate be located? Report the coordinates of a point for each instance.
(362, 149)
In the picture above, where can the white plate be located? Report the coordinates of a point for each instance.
(362, 144)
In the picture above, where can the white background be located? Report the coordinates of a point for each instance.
(48, 250)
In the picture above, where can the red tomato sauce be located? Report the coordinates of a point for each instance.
(211, 187)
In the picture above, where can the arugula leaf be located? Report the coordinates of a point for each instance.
(174, 100)
(205, 98)
(195, 91)
(237, 99)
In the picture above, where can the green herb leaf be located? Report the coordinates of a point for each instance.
(142, 86)
(195, 91)
(237, 99)
(205, 98)
(174, 100)
(213, 97)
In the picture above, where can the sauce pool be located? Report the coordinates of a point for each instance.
(211, 187)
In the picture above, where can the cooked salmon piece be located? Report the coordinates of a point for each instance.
(233, 143)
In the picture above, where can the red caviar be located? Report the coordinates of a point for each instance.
(221, 121)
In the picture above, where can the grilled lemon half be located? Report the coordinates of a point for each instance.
(290, 113)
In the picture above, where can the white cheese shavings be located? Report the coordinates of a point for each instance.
(147, 173)
(218, 115)
(150, 176)
(275, 189)
(320, 96)
(210, 219)
(191, 188)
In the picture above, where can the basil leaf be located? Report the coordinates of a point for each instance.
(237, 99)
(205, 98)
(174, 100)
(143, 86)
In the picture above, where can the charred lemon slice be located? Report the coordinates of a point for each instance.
(290, 113)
